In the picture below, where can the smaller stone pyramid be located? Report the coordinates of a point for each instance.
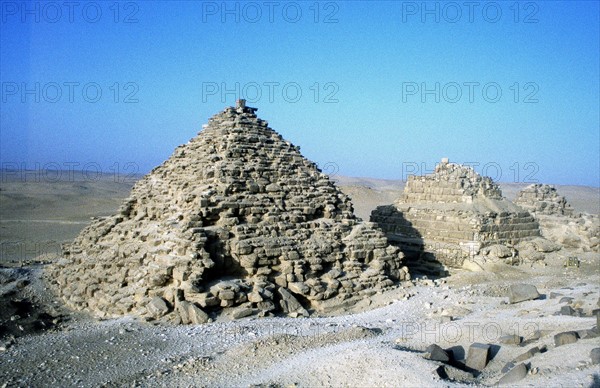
(558, 220)
(235, 222)
(543, 199)
(451, 215)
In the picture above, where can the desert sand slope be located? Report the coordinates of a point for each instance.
(39, 211)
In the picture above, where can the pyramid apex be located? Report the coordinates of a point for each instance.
(240, 106)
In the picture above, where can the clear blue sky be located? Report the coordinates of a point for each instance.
(369, 62)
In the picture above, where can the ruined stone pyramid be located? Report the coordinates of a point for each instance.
(558, 220)
(454, 214)
(236, 222)
(543, 200)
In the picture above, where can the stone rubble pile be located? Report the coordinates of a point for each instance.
(558, 220)
(543, 199)
(236, 222)
(455, 214)
(450, 183)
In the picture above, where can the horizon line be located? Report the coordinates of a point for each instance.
(136, 176)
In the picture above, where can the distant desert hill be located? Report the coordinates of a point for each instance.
(40, 211)
(368, 193)
(37, 213)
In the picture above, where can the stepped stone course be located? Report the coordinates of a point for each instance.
(455, 214)
(236, 222)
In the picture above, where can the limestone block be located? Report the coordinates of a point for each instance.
(157, 307)
(478, 355)
(565, 338)
(522, 292)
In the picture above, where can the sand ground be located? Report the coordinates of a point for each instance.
(382, 346)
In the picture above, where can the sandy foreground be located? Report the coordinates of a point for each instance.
(382, 341)
(383, 346)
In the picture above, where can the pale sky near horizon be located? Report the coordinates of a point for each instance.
(378, 89)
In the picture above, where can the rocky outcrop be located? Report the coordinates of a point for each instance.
(235, 222)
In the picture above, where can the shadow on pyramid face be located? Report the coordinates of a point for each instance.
(404, 235)
(457, 218)
(225, 266)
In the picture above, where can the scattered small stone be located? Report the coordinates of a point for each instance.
(595, 356)
(478, 355)
(22, 283)
(456, 353)
(535, 336)
(565, 299)
(517, 373)
(522, 292)
(448, 372)
(197, 316)
(290, 305)
(511, 339)
(554, 295)
(588, 333)
(567, 337)
(567, 310)
(436, 353)
(528, 354)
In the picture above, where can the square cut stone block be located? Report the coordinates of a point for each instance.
(478, 356)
